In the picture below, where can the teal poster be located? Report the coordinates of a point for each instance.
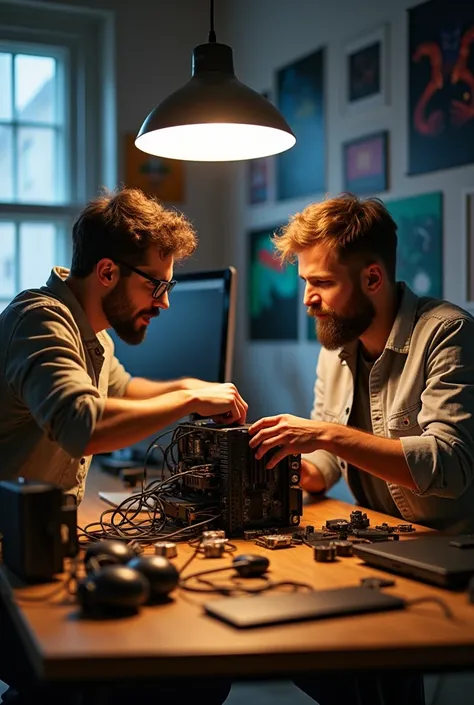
(420, 242)
(273, 291)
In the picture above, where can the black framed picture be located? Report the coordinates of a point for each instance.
(365, 164)
(365, 84)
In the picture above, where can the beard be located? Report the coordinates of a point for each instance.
(339, 329)
(120, 314)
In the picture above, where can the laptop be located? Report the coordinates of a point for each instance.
(447, 561)
(280, 608)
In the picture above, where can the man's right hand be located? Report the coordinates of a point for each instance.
(221, 402)
(311, 478)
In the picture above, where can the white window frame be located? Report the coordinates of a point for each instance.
(84, 38)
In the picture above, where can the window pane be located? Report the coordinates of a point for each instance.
(6, 163)
(6, 98)
(37, 253)
(36, 165)
(35, 88)
(7, 261)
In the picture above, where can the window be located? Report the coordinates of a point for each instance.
(57, 96)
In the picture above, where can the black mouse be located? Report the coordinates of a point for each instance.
(250, 565)
(162, 575)
(107, 552)
(113, 588)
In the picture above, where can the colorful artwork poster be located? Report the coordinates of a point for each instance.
(365, 164)
(364, 72)
(301, 170)
(272, 291)
(420, 243)
(441, 85)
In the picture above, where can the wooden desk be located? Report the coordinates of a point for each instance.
(177, 639)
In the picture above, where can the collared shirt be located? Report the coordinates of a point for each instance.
(421, 391)
(55, 374)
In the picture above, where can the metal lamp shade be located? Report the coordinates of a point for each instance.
(214, 117)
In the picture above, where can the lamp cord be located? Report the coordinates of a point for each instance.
(212, 33)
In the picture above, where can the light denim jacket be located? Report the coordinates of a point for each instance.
(422, 392)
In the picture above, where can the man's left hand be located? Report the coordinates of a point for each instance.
(293, 435)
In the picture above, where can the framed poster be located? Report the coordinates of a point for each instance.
(420, 242)
(301, 170)
(163, 178)
(365, 164)
(441, 85)
(366, 64)
(272, 291)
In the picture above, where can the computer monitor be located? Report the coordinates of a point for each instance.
(193, 338)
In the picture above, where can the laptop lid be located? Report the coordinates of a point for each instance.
(443, 560)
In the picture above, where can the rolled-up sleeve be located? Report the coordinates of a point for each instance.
(441, 460)
(45, 371)
(325, 462)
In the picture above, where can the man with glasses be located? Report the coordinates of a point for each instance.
(65, 396)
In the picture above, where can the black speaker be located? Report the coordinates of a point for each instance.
(30, 521)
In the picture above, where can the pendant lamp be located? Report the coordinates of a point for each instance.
(214, 117)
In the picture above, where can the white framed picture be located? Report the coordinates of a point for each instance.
(365, 82)
(468, 230)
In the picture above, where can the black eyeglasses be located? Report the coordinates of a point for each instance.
(161, 286)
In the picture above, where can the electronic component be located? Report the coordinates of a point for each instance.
(377, 582)
(359, 520)
(309, 529)
(404, 528)
(213, 547)
(225, 475)
(338, 525)
(325, 553)
(275, 541)
(168, 549)
(343, 548)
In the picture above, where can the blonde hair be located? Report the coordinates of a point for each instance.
(360, 231)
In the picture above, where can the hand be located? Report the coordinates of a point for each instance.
(191, 383)
(222, 402)
(291, 433)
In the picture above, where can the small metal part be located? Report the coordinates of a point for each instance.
(404, 528)
(295, 478)
(343, 548)
(276, 541)
(214, 548)
(325, 553)
(377, 582)
(337, 524)
(168, 549)
(385, 527)
(250, 535)
(213, 534)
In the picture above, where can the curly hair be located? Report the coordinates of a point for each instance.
(124, 225)
(360, 231)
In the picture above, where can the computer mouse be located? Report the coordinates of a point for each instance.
(113, 588)
(162, 575)
(107, 552)
(250, 565)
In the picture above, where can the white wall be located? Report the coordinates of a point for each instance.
(154, 44)
(267, 35)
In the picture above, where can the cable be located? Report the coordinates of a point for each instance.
(437, 600)
(212, 33)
